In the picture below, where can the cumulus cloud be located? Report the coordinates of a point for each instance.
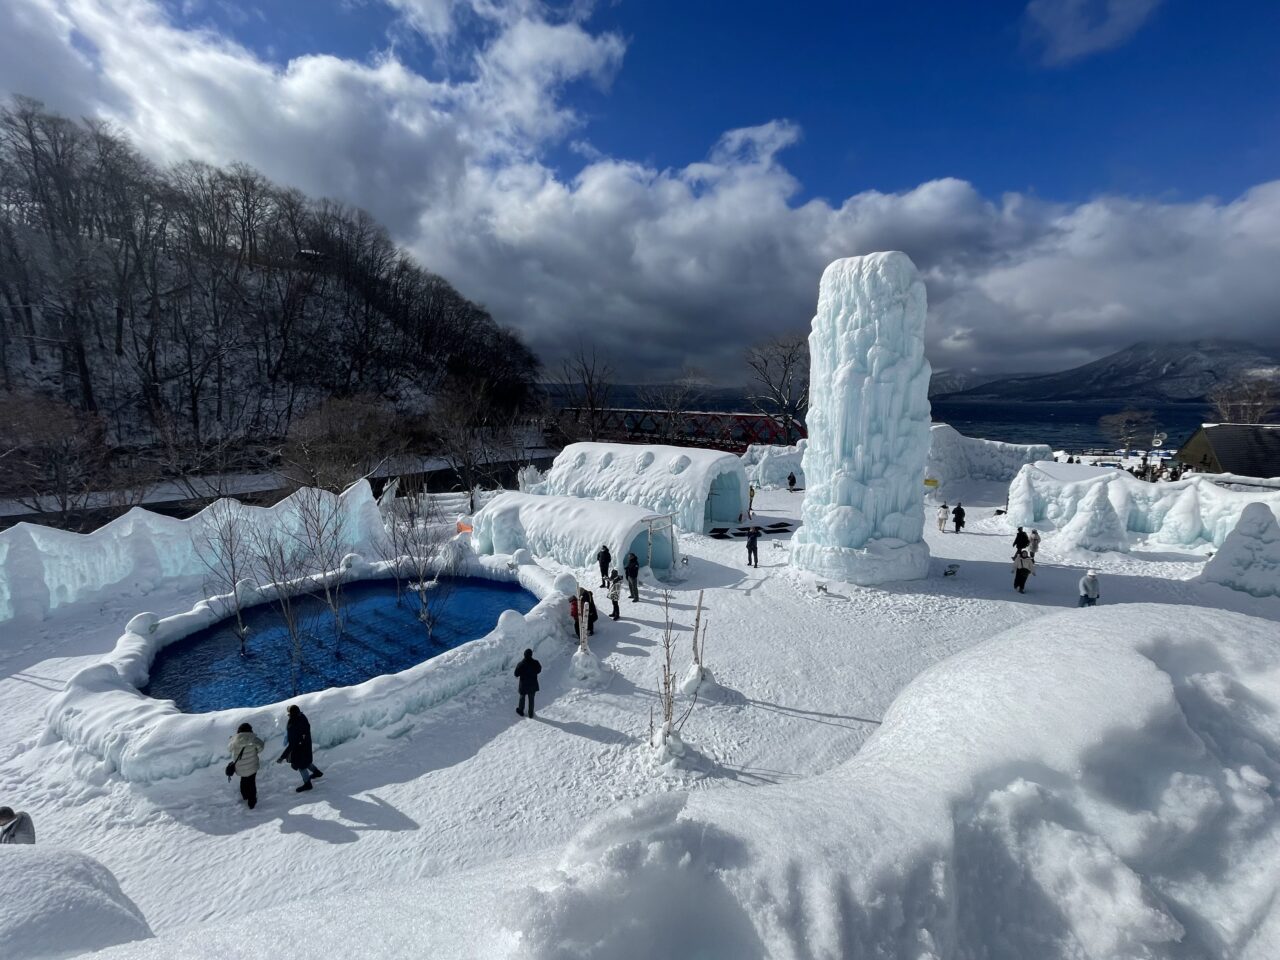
(659, 267)
(1071, 29)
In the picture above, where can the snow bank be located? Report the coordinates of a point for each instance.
(701, 488)
(571, 530)
(1102, 786)
(767, 465)
(955, 458)
(1188, 512)
(102, 712)
(868, 420)
(42, 569)
(1249, 559)
(58, 903)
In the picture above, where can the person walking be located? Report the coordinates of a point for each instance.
(1089, 592)
(943, 516)
(957, 515)
(1020, 540)
(632, 570)
(244, 747)
(751, 500)
(1023, 567)
(527, 671)
(604, 558)
(16, 827)
(297, 748)
(753, 547)
(791, 482)
(615, 593)
(1034, 543)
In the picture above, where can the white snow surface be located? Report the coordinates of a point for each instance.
(1190, 512)
(662, 479)
(458, 831)
(58, 903)
(768, 465)
(570, 530)
(955, 459)
(1249, 559)
(868, 423)
(42, 569)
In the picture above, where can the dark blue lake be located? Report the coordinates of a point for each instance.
(1069, 426)
(205, 671)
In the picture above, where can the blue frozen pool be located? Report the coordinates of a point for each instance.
(205, 671)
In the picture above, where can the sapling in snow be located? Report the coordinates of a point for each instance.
(665, 739)
(223, 546)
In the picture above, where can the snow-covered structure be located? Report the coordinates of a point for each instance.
(571, 530)
(868, 420)
(1095, 527)
(955, 458)
(1249, 559)
(42, 568)
(1106, 795)
(59, 903)
(768, 465)
(701, 488)
(1188, 512)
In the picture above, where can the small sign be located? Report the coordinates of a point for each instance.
(930, 482)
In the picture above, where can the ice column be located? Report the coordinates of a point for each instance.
(863, 515)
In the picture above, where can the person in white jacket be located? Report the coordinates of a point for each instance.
(1089, 592)
(245, 747)
(1034, 548)
(943, 516)
(1023, 567)
(16, 827)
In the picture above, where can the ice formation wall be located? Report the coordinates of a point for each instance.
(42, 568)
(1249, 560)
(955, 458)
(1190, 512)
(767, 465)
(868, 420)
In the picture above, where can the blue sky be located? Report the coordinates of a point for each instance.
(666, 181)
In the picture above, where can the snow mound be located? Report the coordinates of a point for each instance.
(1095, 527)
(955, 458)
(58, 903)
(586, 670)
(1249, 559)
(42, 569)
(571, 530)
(1094, 788)
(700, 487)
(868, 419)
(1188, 512)
(767, 465)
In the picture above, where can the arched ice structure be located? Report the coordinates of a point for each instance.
(863, 514)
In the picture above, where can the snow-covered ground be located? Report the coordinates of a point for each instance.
(465, 831)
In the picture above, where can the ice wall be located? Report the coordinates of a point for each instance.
(1249, 560)
(1190, 512)
(767, 465)
(955, 458)
(868, 420)
(42, 568)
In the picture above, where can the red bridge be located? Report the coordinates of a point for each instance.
(699, 428)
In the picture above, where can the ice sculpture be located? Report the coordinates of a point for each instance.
(863, 514)
(1249, 560)
(1096, 526)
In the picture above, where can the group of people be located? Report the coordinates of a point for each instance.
(246, 749)
(955, 516)
(1025, 547)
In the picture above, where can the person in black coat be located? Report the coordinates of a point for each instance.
(632, 571)
(604, 558)
(297, 747)
(958, 516)
(527, 671)
(1020, 541)
(791, 482)
(753, 547)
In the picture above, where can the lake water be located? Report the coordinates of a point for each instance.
(1064, 426)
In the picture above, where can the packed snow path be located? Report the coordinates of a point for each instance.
(468, 797)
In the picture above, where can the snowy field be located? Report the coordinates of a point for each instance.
(1068, 783)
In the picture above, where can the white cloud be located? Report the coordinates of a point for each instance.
(661, 267)
(1071, 29)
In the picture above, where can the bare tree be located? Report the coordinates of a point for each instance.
(668, 733)
(224, 545)
(276, 562)
(1128, 427)
(781, 373)
(586, 384)
(320, 540)
(1245, 399)
(474, 436)
(672, 401)
(341, 441)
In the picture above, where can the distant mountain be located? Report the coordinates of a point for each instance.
(945, 382)
(1144, 372)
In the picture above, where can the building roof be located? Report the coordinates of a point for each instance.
(1246, 449)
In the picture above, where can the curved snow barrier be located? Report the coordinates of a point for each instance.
(1101, 786)
(103, 712)
(767, 465)
(1249, 560)
(953, 458)
(1187, 512)
(59, 903)
(572, 530)
(701, 488)
(42, 569)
